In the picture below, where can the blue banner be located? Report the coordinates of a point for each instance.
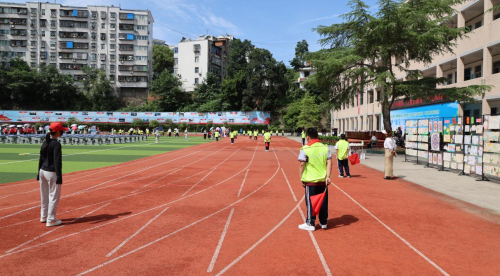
(130, 16)
(69, 44)
(75, 13)
(434, 111)
(233, 117)
(130, 37)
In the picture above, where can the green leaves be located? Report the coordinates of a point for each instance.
(310, 113)
(163, 59)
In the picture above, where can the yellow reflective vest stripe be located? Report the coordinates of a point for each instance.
(315, 168)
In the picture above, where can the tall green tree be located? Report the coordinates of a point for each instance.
(310, 113)
(238, 56)
(301, 51)
(163, 59)
(166, 88)
(207, 96)
(363, 50)
(97, 88)
(291, 114)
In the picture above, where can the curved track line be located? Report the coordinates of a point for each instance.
(221, 240)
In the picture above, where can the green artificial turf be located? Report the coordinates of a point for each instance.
(20, 161)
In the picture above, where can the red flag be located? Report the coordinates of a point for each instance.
(354, 159)
(316, 202)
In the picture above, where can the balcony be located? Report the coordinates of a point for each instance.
(126, 27)
(126, 47)
(126, 16)
(18, 32)
(80, 35)
(74, 13)
(17, 22)
(71, 66)
(18, 43)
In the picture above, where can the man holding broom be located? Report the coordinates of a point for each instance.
(315, 170)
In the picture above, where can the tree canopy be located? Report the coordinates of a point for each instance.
(375, 51)
(163, 59)
(301, 51)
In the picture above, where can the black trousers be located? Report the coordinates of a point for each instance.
(250, 137)
(205, 136)
(217, 139)
(323, 212)
(268, 144)
(255, 137)
(232, 140)
(303, 141)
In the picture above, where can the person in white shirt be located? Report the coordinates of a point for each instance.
(390, 152)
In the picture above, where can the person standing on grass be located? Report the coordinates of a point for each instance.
(390, 153)
(186, 134)
(267, 139)
(205, 134)
(50, 174)
(315, 170)
(342, 147)
(216, 133)
(157, 135)
(303, 136)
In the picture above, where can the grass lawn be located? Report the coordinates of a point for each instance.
(20, 162)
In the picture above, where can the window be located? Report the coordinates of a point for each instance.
(103, 67)
(196, 80)
(140, 48)
(103, 46)
(197, 70)
(93, 57)
(176, 61)
(112, 26)
(52, 55)
(141, 17)
(496, 67)
(94, 15)
(43, 11)
(478, 24)
(93, 66)
(33, 54)
(112, 16)
(4, 42)
(93, 46)
(93, 36)
(378, 96)
(52, 44)
(33, 32)
(112, 46)
(52, 23)
(103, 36)
(141, 27)
(477, 71)
(176, 50)
(112, 68)
(112, 36)
(103, 25)
(112, 58)
(103, 57)
(468, 74)
(370, 96)
(141, 58)
(196, 58)
(43, 33)
(53, 13)
(52, 34)
(33, 43)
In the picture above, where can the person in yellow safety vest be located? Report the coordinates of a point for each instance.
(255, 134)
(276, 132)
(147, 131)
(303, 137)
(216, 134)
(267, 139)
(342, 147)
(262, 132)
(282, 132)
(250, 134)
(315, 170)
(232, 134)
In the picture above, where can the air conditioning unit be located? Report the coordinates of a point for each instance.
(32, 47)
(121, 61)
(12, 26)
(135, 31)
(74, 60)
(52, 59)
(60, 56)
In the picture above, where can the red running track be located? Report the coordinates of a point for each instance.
(229, 209)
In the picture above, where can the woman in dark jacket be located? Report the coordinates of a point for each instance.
(50, 174)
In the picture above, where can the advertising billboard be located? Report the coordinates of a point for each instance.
(231, 117)
(433, 111)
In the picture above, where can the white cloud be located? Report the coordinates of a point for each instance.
(320, 18)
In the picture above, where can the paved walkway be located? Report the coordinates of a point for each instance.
(480, 193)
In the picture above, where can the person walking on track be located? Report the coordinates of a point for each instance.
(267, 139)
(255, 134)
(315, 170)
(303, 136)
(342, 148)
(216, 134)
(390, 152)
(50, 174)
(250, 134)
(232, 134)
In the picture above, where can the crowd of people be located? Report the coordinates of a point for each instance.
(17, 130)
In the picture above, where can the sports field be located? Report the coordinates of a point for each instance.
(20, 162)
(217, 208)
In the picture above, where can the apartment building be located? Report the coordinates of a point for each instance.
(476, 60)
(116, 40)
(304, 74)
(194, 58)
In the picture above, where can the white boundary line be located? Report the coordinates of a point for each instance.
(201, 180)
(154, 208)
(316, 246)
(242, 183)
(136, 233)
(289, 186)
(221, 240)
(225, 269)
(46, 233)
(394, 232)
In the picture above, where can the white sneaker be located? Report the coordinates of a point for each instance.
(348, 176)
(324, 226)
(307, 227)
(54, 223)
(43, 220)
(341, 176)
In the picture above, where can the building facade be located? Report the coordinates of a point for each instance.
(475, 60)
(116, 40)
(194, 58)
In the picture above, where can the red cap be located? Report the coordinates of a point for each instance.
(57, 126)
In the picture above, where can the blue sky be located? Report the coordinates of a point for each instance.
(276, 25)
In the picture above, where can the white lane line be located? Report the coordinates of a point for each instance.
(225, 269)
(154, 208)
(243, 183)
(316, 246)
(190, 225)
(135, 191)
(289, 186)
(136, 233)
(56, 228)
(221, 240)
(84, 190)
(126, 196)
(83, 231)
(30, 191)
(201, 180)
(394, 232)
